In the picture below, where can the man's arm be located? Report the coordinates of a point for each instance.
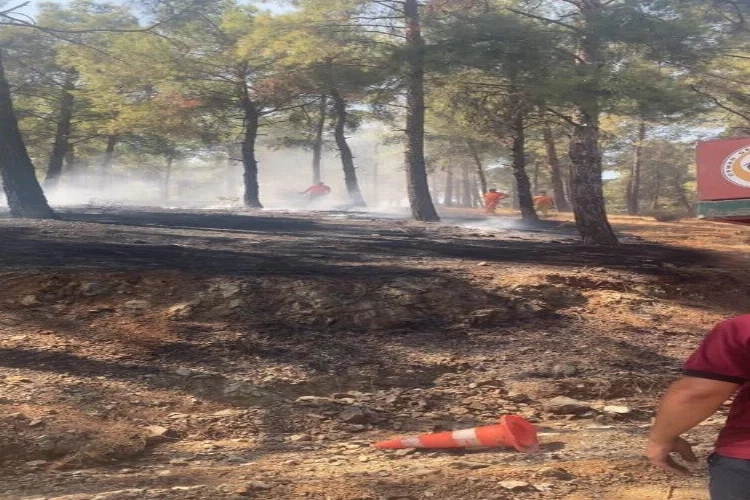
(687, 403)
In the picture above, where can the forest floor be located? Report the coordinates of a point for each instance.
(210, 355)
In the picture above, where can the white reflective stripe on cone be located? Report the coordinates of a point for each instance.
(466, 437)
(411, 442)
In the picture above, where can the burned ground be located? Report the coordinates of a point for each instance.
(175, 354)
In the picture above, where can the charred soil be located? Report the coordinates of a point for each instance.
(207, 355)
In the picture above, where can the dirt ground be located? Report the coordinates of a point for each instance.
(210, 355)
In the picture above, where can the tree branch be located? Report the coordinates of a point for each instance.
(545, 19)
(720, 104)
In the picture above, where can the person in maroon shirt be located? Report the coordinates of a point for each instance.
(714, 373)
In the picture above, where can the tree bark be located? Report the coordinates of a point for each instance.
(555, 170)
(465, 187)
(62, 132)
(167, 177)
(109, 157)
(657, 191)
(418, 188)
(318, 140)
(535, 178)
(587, 191)
(682, 197)
(523, 186)
(376, 177)
(633, 192)
(481, 175)
(345, 152)
(22, 189)
(448, 199)
(251, 197)
(70, 158)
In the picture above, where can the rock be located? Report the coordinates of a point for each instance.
(120, 494)
(226, 289)
(404, 452)
(516, 485)
(178, 416)
(353, 427)
(468, 465)
(36, 463)
(157, 434)
(36, 422)
(300, 438)
(618, 410)
(314, 400)
(91, 288)
(256, 486)
(555, 473)
(564, 370)
(424, 472)
(30, 301)
(355, 415)
(18, 379)
(185, 489)
(518, 397)
(76, 496)
(363, 458)
(225, 413)
(236, 459)
(489, 317)
(562, 405)
(180, 311)
(137, 304)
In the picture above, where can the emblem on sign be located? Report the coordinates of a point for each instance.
(736, 168)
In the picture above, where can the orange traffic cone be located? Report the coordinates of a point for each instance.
(512, 431)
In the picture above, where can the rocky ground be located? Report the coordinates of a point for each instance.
(208, 355)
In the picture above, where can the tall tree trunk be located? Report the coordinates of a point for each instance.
(347, 159)
(320, 127)
(251, 197)
(633, 193)
(535, 178)
(70, 158)
(478, 194)
(481, 175)
(109, 158)
(465, 187)
(523, 186)
(657, 191)
(230, 181)
(416, 168)
(22, 190)
(555, 170)
(448, 199)
(679, 187)
(167, 177)
(62, 132)
(586, 172)
(375, 177)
